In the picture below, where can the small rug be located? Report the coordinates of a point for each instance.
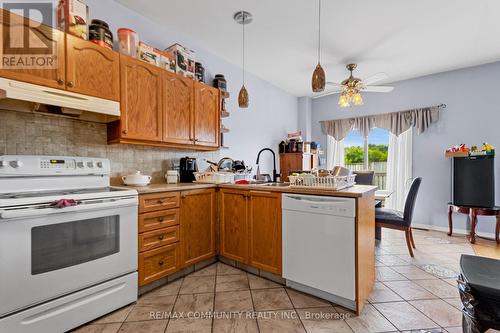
(439, 271)
(438, 240)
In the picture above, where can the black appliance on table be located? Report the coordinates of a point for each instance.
(187, 168)
(479, 288)
(474, 181)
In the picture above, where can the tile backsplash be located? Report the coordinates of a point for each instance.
(37, 134)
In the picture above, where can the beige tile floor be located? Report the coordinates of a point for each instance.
(405, 298)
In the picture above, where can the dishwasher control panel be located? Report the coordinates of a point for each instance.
(336, 206)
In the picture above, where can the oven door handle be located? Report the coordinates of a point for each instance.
(82, 207)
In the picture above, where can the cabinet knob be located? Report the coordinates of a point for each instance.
(125, 131)
(183, 196)
(160, 263)
(70, 84)
(60, 82)
(161, 237)
(161, 219)
(161, 201)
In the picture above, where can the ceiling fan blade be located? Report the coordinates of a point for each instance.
(375, 78)
(383, 89)
(326, 93)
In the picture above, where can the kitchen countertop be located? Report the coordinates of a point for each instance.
(164, 187)
(355, 191)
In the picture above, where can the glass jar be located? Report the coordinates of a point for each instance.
(128, 40)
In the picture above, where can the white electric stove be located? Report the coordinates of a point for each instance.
(62, 267)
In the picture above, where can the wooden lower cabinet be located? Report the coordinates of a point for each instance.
(159, 236)
(158, 263)
(177, 230)
(250, 228)
(234, 224)
(158, 201)
(197, 226)
(264, 234)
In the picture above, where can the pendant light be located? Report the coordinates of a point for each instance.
(243, 18)
(318, 78)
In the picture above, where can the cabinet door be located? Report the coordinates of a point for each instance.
(265, 231)
(141, 100)
(290, 162)
(178, 109)
(158, 263)
(197, 225)
(206, 115)
(40, 35)
(234, 225)
(92, 69)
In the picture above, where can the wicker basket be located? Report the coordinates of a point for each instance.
(333, 183)
(214, 177)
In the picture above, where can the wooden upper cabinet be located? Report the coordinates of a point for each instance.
(206, 115)
(141, 100)
(92, 69)
(197, 226)
(264, 212)
(234, 224)
(40, 35)
(178, 109)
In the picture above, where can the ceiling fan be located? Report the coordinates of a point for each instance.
(350, 89)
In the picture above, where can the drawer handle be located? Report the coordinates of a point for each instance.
(160, 263)
(161, 219)
(161, 237)
(162, 201)
(70, 84)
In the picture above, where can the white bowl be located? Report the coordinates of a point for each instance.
(137, 179)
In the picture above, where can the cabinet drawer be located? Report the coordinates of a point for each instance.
(153, 239)
(158, 220)
(158, 201)
(157, 263)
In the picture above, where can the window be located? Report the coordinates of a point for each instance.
(368, 153)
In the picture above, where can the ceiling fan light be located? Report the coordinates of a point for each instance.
(243, 97)
(357, 99)
(344, 100)
(318, 81)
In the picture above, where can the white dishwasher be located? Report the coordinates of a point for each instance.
(318, 246)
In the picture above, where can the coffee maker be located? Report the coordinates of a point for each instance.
(187, 168)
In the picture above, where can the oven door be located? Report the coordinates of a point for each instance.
(48, 252)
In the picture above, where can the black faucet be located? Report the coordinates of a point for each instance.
(275, 174)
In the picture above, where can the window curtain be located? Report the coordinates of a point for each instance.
(399, 168)
(394, 122)
(334, 152)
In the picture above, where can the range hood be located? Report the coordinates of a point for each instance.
(22, 96)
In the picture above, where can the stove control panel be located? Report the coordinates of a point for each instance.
(23, 165)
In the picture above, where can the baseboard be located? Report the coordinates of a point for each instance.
(455, 230)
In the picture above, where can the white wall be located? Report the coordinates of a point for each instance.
(305, 121)
(272, 112)
(472, 96)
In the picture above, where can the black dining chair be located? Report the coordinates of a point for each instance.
(364, 177)
(394, 219)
